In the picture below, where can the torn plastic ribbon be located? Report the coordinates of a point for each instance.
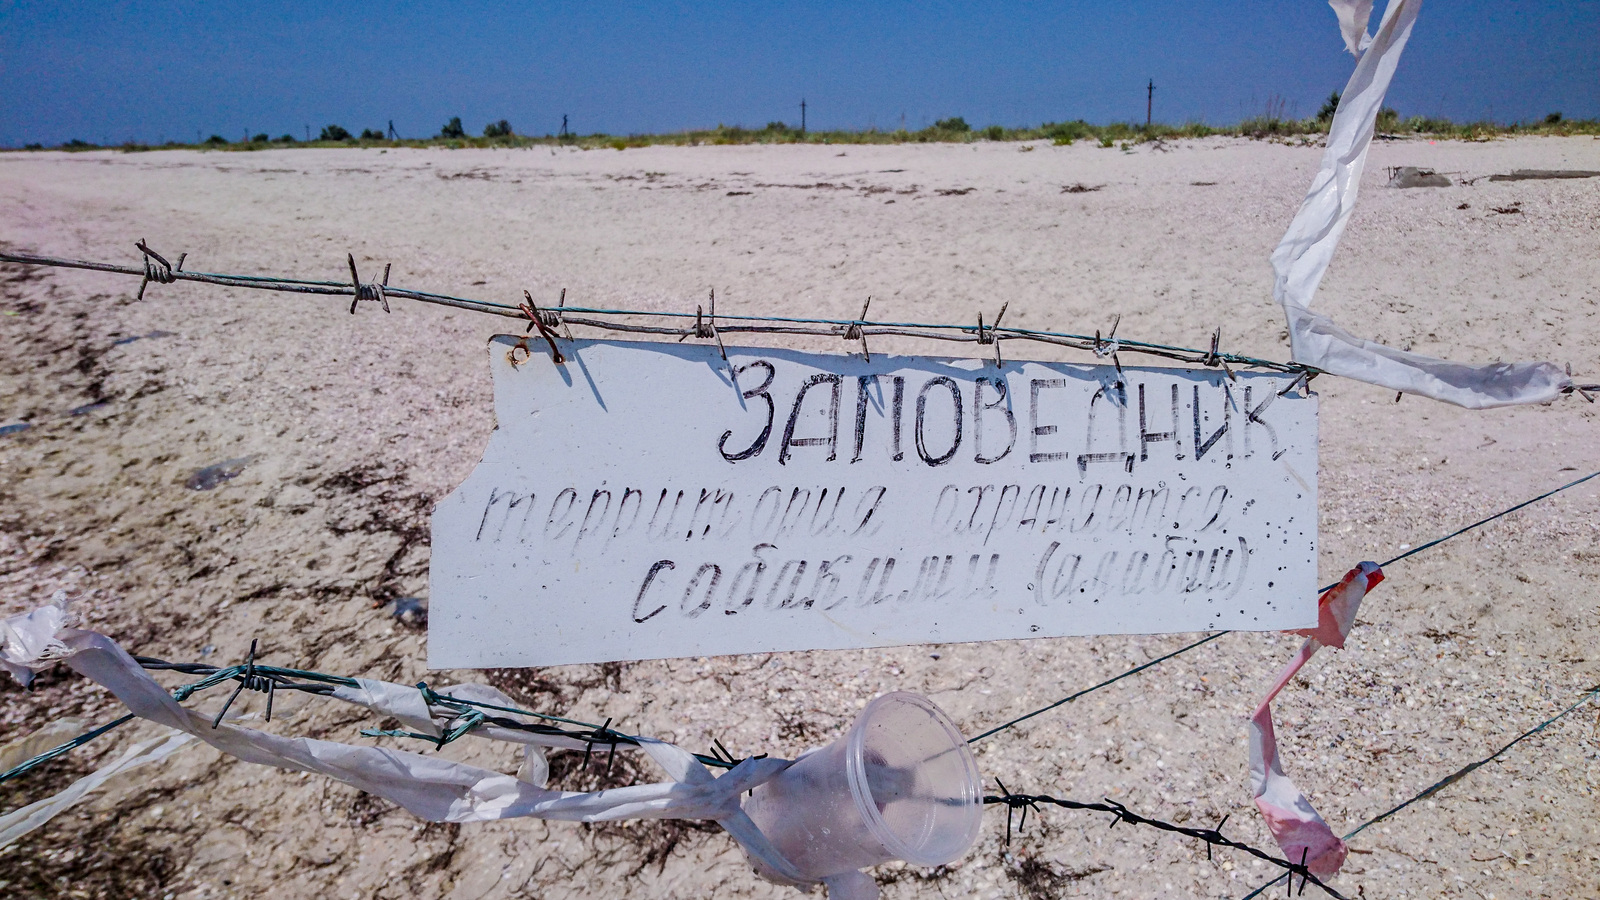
(1300, 832)
(1302, 257)
(429, 787)
(33, 637)
(1353, 17)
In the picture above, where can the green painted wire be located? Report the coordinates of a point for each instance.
(1504, 512)
(54, 752)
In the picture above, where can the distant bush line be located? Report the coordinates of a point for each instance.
(951, 130)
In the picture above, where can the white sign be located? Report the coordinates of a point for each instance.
(650, 500)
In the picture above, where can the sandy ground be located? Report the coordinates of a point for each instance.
(355, 425)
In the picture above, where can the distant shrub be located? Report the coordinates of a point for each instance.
(618, 144)
(994, 132)
(259, 139)
(1064, 133)
(954, 123)
(284, 139)
(1329, 107)
(216, 140)
(368, 134)
(777, 126)
(1424, 125)
(1388, 119)
(1106, 141)
(498, 129)
(1553, 119)
(452, 129)
(333, 133)
(33, 146)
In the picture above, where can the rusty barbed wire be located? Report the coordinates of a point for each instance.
(155, 268)
(547, 319)
(1212, 837)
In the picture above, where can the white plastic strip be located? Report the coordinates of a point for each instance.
(429, 787)
(1303, 255)
(1353, 16)
(19, 822)
(14, 753)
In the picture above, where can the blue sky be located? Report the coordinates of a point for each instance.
(115, 71)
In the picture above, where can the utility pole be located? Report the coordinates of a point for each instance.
(1149, 102)
(802, 117)
(563, 134)
(308, 134)
(393, 135)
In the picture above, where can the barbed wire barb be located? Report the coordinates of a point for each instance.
(539, 318)
(156, 268)
(853, 332)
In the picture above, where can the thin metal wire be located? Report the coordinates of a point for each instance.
(1185, 649)
(1504, 512)
(1452, 778)
(1107, 683)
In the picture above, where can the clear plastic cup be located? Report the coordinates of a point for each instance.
(902, 784)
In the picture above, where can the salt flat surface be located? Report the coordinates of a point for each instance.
(354, 426)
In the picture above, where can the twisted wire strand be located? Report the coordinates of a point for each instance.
(469, 714)
(156, 268)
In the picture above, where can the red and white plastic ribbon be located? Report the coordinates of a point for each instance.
(1301, 833)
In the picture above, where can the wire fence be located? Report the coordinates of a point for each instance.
(466, 716)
